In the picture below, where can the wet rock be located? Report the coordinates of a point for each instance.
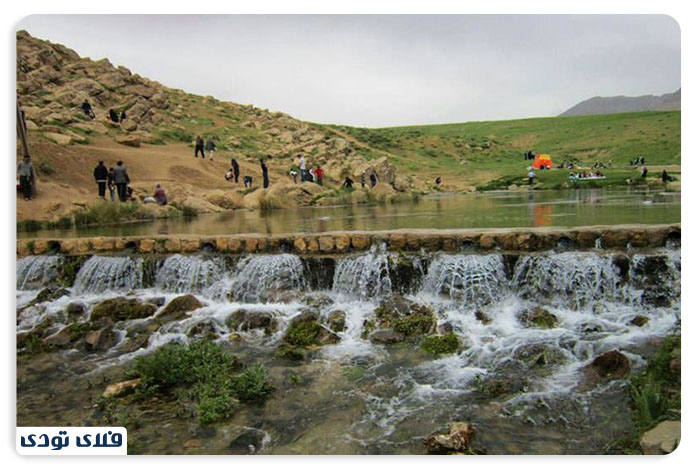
(75, 309)
(245, 320)
(623, 264)
(386, 336)
(317, 301)
(49, 295)
(156, 301)
(247, 443)
(457, 440)
(203, 329)
(121, 389)
(540, 355)
(304, 330)
(61, 339)
(441, 344)
(135, 343)
(178, 307)
(337, 321)
(590, 328)
(494, 387)
(639, 321)
(538, 317)
(483, 317)
(405, 316)
(121, 308)
(101, 339)
(662, 439)
(445, 328)
(611, 365)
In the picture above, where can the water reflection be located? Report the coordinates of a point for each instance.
(483, 210)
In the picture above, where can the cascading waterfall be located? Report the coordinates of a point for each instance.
(100, 274)
(476, 279)
(365, 276)
(261, 277)
(182, 274)
(37, 271)
(571, 279)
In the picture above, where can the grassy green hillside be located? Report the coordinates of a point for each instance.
(489, 153)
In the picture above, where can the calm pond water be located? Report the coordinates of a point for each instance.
(461, 211)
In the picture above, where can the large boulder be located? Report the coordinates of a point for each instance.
(662, 439)
(121, 308)
(224, 199)
(128, 140)
(245, 320)
(386, 172)
(178, 307)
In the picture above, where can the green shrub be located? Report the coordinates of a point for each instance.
(45, 167)
(252, 384)
(29, 225)
(445, 344)
(302, 333)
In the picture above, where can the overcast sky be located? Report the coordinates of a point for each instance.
(387, 70)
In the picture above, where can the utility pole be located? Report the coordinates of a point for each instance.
(22, 130)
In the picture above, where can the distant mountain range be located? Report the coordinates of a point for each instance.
(616, 104)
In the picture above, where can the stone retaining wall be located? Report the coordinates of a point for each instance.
(521, 240)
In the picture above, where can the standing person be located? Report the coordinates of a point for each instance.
(362, 180)
(319, 175)
(373, 179)
(110, 183)
(235, 170)
(87, 109)
(121, 180)
(160, 195)
(27, 177)
(348, 183)
(293, 174)
(303, 169)
(113, 115)
(210, 147)
(101, 176)
(199, 147)
(531, 176)
(123, 115)
(264, 171)
(644, 172)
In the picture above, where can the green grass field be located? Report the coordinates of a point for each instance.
(481, 153)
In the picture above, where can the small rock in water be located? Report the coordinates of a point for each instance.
(639, 320)
(611, 365)
(458, 440)
(75, 309)
(337, 321)
(101, 339)
(386, 336)
(122, 388)
(538, 317)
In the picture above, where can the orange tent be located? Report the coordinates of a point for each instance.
(542, 160)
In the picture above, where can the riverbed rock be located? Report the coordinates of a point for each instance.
(247, 443)
(538, 317)
(245, 320)
(122, 308)
(662, 439)
(386, 336)
(61, 339)
(203, 329)
(457, 440)
(121, 389)
(178, 307)
(611, 365)
(405, 316)
(49, 295)
(337, 321)
(639, 321)
(101, 339)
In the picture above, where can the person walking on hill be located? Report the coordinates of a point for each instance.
(87, 109)
(101, 176)
(121, 180)
(319, 175)
(264, 172)
(235, 170)
(200, 146)
(210, 147)
(27, 177)
(110, 183)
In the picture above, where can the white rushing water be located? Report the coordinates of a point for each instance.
(363, 276)
(101, 274)
(261, 277)
(35, 272)
(189, 274)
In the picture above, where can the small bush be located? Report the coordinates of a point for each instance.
(45, 167)
(252, 384)
(303, 333)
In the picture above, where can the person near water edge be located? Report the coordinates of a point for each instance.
(121, 179)
(101, 176)
(27, 177)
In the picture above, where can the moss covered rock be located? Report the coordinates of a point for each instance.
(441, 344)
(178, 307)
(538, 317)
(121, 308)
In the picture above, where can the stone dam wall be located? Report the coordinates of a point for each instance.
(506, 240)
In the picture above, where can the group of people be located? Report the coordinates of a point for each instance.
(233, 174)
(202, 146)
(529, 155)
(587, 175)
(113, 115)
(117, 180)
(639, 161)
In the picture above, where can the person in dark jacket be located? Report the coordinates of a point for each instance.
(264, 172)
(200, 146)
(27, 177)
(123, 115)
(101, 176)
(87, 109)
(113, 115)
(235, 170)
(210, 147)
(373, 179)
(644, 172)
(121, 180)
(348, 183)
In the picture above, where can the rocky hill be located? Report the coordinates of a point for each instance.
(617, 104)
(53, 81)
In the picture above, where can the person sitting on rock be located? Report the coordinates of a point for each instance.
(160, 195)
(348, 183)
(200, 147)
(87, 109)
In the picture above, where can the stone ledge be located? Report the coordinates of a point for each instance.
(507, 240)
